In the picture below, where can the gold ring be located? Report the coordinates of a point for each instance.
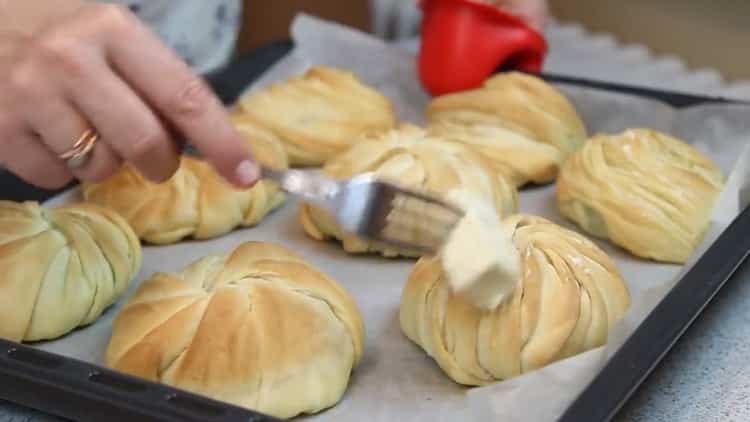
(78, 155)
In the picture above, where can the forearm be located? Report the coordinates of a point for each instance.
(28, 16)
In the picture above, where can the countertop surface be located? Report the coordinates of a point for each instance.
(706, 376)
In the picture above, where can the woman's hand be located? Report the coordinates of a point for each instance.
(98, 67)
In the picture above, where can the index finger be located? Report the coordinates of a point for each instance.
(182, 99)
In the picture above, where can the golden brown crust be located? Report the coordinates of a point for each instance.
(257, 328)
(196, 202)
(61, 267)
(644, 190)
(523, 126)
(569, 297)
(267, 148)
(411, 158)
(318, 114)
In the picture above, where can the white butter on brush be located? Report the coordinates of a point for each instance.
(479, 259)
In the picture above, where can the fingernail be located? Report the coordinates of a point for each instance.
(247, 173)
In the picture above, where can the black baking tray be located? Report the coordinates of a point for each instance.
(77, 390)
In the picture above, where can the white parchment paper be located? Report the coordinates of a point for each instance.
(396, 380)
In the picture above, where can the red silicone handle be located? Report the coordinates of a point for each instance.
(464, 42)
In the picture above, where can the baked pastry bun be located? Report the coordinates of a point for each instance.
(409, 157)
(257, 328)
(318, 114)
(62, 267)
(524, 127)
(195, 202)
(568, 298)
(647, 192)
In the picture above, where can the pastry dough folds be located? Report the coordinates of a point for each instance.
(410, 158)
(257, 328)
(647, 192)
(523, 126)
(61, 268)
(196, 202)
(317, 115)
(569, 297)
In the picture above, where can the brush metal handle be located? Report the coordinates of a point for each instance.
(307, 184)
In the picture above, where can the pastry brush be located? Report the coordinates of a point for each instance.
(382, 212)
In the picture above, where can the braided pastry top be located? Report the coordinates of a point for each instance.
(647, 192)
(317, 115)
(61, 267)
(409, 157)
(568, 298)
(196, 202)
(257, 327)
(523, 126)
